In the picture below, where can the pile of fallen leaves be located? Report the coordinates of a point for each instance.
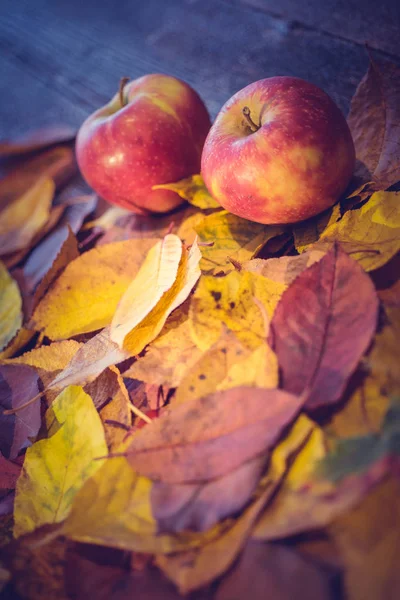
(195, 403)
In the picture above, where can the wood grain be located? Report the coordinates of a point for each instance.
(60, 60)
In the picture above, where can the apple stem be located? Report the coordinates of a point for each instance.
(122, 84)
(252, 125)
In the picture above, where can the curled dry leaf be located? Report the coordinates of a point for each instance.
(85, 296)
(55, 468)
(23, 218)
(192, 443)
(374, 123)
(156, 276)
(371, 234)
(10, 307)
(151, 325)
(243, 302)
(231, 237)
(18, 383)
(322, 326)
(192, 189)
(36, 140)
(284, 269)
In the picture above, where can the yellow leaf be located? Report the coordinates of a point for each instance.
(232, 237)
(89, 361)
(187, 229)
(305, 502)
(113, 508)
(55, 468)
(48, 358)
(243, 301)
(192, 189)
(308, 232)
(169, 356)
(22, 219)
(368, 541)
(371, 234)
(148, 329)
(228, 364)
(10, 307)
(155, 277)
(20, 340)
(84, 298)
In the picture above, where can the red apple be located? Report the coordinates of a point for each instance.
(279, 151)
(151, 132)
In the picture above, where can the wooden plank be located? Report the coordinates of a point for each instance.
(376, 23)
(65, 58)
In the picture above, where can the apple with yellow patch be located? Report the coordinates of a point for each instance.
(280, 151)
(152, 132)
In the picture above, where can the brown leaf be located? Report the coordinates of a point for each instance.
(57, 164)
(38, 139)
(115, 410)
(374, 123)
(44, 266)
(105, 574)
(275, 571)
(192, 443)
(36, 565)
(284, 269)
(322, 326)
(18, 383)
(21, 220)
(368, 539)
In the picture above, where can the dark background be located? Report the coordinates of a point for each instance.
(61, 59)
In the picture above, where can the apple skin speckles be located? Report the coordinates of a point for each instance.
(295, 165)
(157, 137)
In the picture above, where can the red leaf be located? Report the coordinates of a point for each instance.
(211, 436)
(9, 473)
(322, 326)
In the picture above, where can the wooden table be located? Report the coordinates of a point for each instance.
(60, 59)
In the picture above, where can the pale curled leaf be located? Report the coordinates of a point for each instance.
(374, 123)
(22, 219)
(89, 361)
(193, 190)
(55, 468)
(10, 307)
(155, 277)
(149, 328)
(322, 326)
